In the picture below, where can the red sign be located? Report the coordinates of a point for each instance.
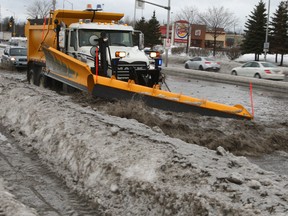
(181, 32)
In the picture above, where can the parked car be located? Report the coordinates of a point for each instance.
(202, 63)
(264, 70)
(15, 56)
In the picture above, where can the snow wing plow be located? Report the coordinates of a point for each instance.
(77, 74)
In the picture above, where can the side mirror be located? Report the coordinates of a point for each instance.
(62, 38)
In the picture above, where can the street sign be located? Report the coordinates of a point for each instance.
(167, 42)
(140, 4)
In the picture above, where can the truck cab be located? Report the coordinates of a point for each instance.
(80, 41)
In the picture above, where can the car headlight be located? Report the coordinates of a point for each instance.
(12, 59)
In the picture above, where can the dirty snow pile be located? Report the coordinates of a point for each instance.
(128, 168)
(10, 206)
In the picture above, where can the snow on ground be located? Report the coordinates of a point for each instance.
(9, 206)
(128, 168)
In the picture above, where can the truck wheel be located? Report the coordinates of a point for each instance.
(33, 74)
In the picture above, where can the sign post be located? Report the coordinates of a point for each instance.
(265, 49)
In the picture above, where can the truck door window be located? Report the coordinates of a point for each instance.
(73, 39)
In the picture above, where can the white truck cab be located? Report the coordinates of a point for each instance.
(79, 39)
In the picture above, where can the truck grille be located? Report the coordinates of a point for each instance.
(125, 69)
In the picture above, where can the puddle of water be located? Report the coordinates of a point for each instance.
(276, 162)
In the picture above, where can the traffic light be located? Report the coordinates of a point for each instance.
(10, 24)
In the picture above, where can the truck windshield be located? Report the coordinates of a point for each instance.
(115, 38)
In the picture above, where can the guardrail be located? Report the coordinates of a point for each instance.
(278, 86)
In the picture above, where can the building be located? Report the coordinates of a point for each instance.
(233, 40)
(199, 35)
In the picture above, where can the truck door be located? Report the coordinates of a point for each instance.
(72, 43)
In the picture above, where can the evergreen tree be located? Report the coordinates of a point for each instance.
(140, 25)
(278, 31)
(153, 36)
(151, 30)
(255, 31)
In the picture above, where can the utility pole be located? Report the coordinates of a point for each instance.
(0, 20)
(266, 44)
(188, 38)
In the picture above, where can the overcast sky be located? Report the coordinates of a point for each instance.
(240, 8)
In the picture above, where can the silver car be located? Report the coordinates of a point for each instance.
(258, 69)
(202, 63)
(15, 56)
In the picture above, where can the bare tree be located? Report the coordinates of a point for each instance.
(190, 14)
(39, 9)
(217, 20)
(127, 20)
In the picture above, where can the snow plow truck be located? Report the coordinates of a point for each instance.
(93, 51)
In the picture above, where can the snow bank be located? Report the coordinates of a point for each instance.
(127, 168)
(9, 206)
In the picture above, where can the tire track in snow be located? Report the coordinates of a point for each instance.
(35, 185)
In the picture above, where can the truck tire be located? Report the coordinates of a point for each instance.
(30, 76)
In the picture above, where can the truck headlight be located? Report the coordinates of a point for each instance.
(120, 54)
(154, 55)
